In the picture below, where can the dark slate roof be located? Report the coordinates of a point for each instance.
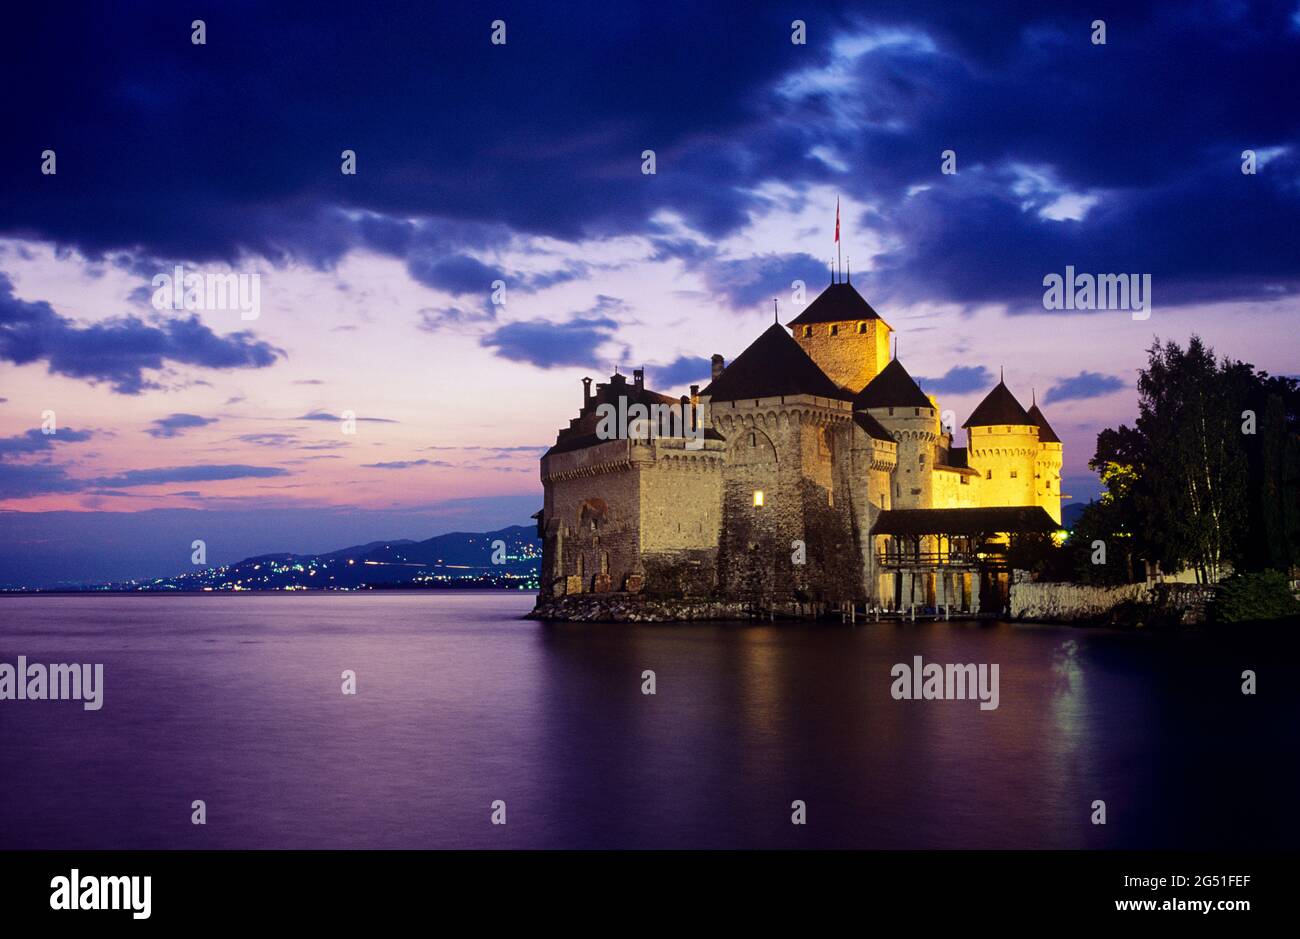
(838, 303)
(1045, 432)
(998, 407)
(892, 388)
(569, 442)
(985, 521)
(872, 426)
(772, 366)
(581, 432)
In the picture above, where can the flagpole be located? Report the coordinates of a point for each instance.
(839, 245)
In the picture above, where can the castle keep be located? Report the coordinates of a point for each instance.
(812, 470)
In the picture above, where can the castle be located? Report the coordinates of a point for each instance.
(812, 470)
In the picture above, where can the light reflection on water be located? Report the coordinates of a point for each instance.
(236, 701)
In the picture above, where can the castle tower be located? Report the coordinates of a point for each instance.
(1003, 445)
(1047, 468)
(787, 428)
(895, 401)
(845, 337)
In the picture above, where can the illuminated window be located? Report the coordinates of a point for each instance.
(758, 498)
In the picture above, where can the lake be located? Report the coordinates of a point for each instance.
(236, 701)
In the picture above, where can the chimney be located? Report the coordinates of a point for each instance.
(695, 393)
(718, 365)
(638, 378)
(586, 391)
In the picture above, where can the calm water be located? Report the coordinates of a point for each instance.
(236, 701)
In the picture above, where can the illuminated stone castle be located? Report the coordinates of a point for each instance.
(812, 470)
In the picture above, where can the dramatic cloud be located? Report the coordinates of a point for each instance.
(37, 441)
(117, 351)
(750, 282)
(1042, 123)
(458, 274)
(185, 474)
(683, 370)
(960, 379)
(175, 424)
(547, 345)
(1082, 386)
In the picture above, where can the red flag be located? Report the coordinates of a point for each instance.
(837, 219)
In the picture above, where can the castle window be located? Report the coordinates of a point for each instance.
(758, 498)
(965, 480)
(988, 474)
(753, 440)
(862, 327)
(1014, 474)
(920, 458)
(1048, 484)
(807, 332)
(891, 412)
(916, 412)
(835, 329)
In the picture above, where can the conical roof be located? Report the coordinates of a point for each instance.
(998, 407)
(772, 366)
(1045, 432)
(892, 388)
(838, 303)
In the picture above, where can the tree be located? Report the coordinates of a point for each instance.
(1207, 477)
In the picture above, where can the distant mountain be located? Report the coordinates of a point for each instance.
(509, 559)
(1070, 513)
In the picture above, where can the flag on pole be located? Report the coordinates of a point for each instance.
(837, 219)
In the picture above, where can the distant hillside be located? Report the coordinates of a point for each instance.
(458, 559)
(1070, 513)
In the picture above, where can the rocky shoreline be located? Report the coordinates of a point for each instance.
(1132, 605)
(634, 608)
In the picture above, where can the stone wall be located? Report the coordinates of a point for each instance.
(634, 608)
(1130, 604)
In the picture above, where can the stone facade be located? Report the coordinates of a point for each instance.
(770, 491)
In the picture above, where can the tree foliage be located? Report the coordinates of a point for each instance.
(1207, 476)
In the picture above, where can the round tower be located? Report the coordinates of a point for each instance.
(912, 418)
(1003, 445)
(1047, 467)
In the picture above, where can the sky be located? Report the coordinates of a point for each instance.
(500, 238)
